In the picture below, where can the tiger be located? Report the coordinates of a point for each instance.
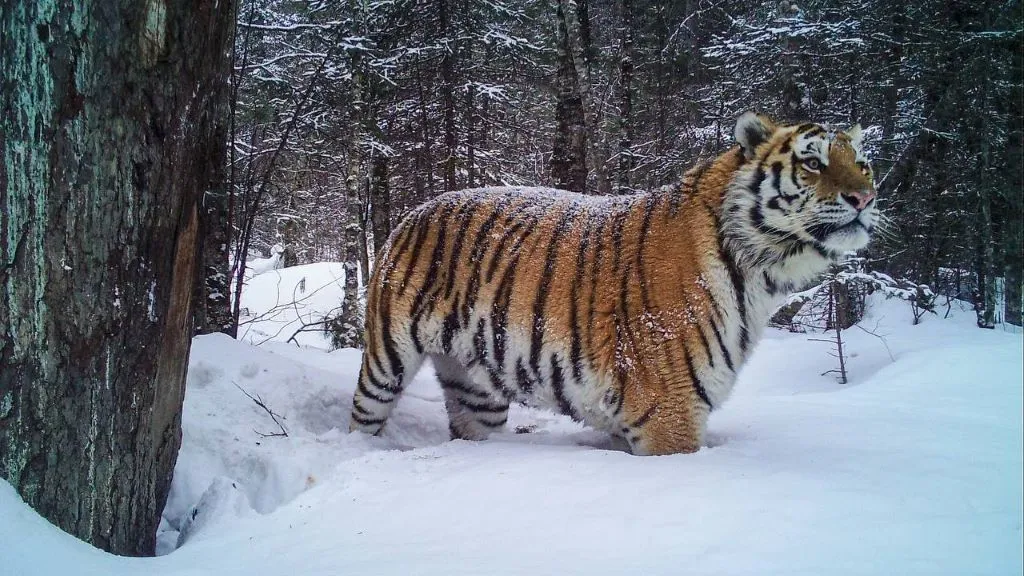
(631, 314)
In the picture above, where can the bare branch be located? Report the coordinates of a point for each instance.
(273, 415)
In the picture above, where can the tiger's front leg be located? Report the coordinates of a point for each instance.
(659, 417)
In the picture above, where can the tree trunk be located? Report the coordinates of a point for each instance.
(569, 151)
(625, 165)
(364, 222)
(347, 327)
(448, 96)
(576, 15)
(213, 288)
(380, 203)
(424, 157)
(213, 303)
(109, 140)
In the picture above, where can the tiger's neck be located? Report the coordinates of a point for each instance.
(751, 269)
(779, 265)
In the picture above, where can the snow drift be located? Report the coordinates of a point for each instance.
(912, 468)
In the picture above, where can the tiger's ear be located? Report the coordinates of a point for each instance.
(751, 131)
(856, 136)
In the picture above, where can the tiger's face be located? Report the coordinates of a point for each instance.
(810, 184)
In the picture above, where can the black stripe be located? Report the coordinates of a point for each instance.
(480, 342)
(476, 407)
(390, 350)
(544, 288)
(480, 246)
(738, 289)
(449, 327)
(707, 345)
(499, 251)
(759, 178)
(777, 176)
(816, 131)
(360, 409)
(623, 335)
(756, 217)
(503, 293)
(697, 386)
(367, 421)
(769, 284)
(391, 388)
(807, 198)
(618, 227)
(373, 356)
(426, 287)
(432, 285)
(794, 161)
(721, 345)
(644, 417)
(465, 216)
(716, 309)
(362, 389)
(422, 224)
(595, 275)
(450, 384)
(558, 388)
(523, 378)
(645, 227)
(575, 338)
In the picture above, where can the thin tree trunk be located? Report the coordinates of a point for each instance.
(425, 187)
(100, 189)
(212, 302)
(568, 162)
(448, 96)
(347, 327)
(380, 203)
(364, 222)
(625, 88)
(213, 298)
(575, 14)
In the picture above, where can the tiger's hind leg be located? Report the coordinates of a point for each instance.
(473, 411)
(378, 389)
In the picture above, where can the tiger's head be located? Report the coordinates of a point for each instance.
(802, 185)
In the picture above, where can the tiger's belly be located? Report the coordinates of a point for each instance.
(507, 362)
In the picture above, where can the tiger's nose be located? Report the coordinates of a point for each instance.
(859, 199)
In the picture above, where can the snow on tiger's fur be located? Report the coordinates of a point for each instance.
(632, 313)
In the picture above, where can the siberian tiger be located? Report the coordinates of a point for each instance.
(632, 314)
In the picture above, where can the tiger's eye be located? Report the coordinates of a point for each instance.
(812, 164)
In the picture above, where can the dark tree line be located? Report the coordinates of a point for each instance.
(411, 99)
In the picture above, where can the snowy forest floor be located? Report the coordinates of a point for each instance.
(914, 467)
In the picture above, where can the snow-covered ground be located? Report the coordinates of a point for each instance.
(914, 467)
(279, 304)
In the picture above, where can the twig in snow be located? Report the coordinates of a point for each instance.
(880, 337)
(273, 416)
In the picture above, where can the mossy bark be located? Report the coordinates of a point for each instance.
(106, 147)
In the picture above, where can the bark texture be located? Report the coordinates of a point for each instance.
(107, 143)
(569, 151)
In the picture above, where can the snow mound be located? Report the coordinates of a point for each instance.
(915, 467)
